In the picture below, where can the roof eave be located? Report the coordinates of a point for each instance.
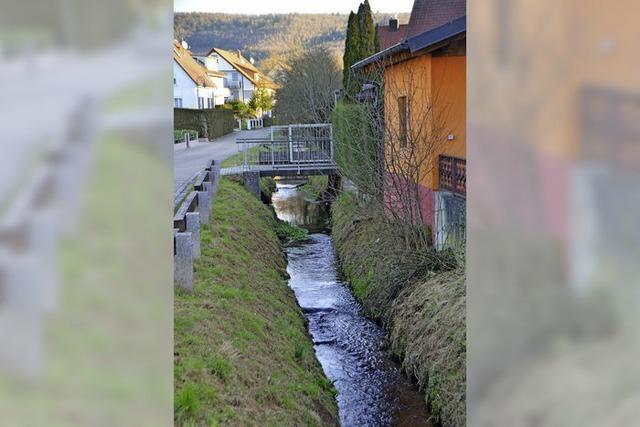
(396, 48)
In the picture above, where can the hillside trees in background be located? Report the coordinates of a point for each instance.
(360, 43)
(269, 39)
(307, 88)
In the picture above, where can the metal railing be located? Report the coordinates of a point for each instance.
(301, 146)
(249, 124)
(453, 175)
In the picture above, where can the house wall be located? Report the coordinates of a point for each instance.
(448, 85)
(246, 89)
(435, 88)
(219, 92)
(186, 89)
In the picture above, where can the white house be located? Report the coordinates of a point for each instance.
(241, 77)
(193, 85)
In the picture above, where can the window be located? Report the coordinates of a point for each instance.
(234, 76)
(403, 111)
(177, 102)
(209, 102)
(200, 103)
(174, 80)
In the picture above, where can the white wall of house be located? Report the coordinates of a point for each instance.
(241, 87)
(221, 93)
(186, 92)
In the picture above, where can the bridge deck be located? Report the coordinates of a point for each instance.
(282, 170)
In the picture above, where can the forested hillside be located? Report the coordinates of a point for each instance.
(266, 38)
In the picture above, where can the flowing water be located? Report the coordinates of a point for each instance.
(372, 390)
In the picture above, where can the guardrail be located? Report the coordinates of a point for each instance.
(193, 209)
(286, 146)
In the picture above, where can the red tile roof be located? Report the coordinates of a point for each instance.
(245, 67)
(388, 38)
(195, 71)
(429, 14)
(425, 15)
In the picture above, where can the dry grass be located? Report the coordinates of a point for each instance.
(427, 332)
(242, 352)
(418, 294)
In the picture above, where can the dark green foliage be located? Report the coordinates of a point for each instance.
(209, 123)
(367, 30)
(360, 43)
(350, 50)
(376, 42)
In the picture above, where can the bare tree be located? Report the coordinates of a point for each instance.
(387, 140)
(307, 88)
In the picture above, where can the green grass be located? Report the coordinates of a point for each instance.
(238, 158)
(289, 233)
(240, 337)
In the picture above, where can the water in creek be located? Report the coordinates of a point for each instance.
(372, 390)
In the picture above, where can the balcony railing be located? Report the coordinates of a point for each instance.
(453, 175)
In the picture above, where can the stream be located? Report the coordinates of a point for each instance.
(372, 390)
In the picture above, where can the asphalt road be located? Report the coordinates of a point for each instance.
(188, 161)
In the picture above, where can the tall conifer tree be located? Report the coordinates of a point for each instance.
(360, 43)
(367, 30)
(349, 49)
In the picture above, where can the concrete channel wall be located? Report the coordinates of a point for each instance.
(194, 209)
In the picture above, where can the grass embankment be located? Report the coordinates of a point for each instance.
(242, 352)
(419, 298)
(238, 158)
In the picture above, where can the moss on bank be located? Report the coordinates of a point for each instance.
(419, 298)
(242, 352)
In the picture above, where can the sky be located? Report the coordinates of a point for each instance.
(288, 6)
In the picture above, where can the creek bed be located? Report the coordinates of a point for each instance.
(372, 390)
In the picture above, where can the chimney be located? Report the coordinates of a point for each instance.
(393, 24)
(239, 54)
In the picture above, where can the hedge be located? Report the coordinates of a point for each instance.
(210, 123)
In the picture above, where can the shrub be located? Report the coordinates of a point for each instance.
(290, 233)
(178, 134)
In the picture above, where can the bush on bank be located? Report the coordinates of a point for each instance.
(242, 352)
(418, 295)
(178, 134)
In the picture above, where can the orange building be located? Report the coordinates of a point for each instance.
(424, 89)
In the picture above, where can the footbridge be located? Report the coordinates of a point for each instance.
(293, 150)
